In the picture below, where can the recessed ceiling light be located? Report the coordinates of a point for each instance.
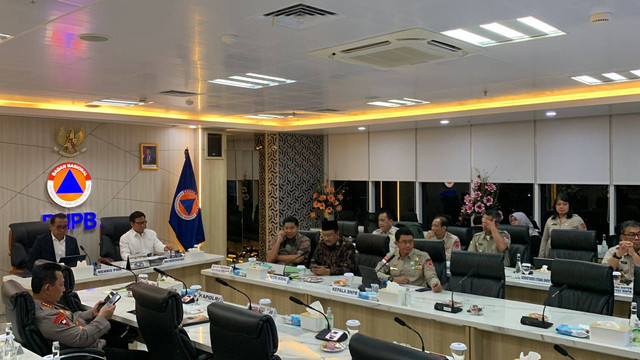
(249, 81)
(444, 122)
(383, 103)
(4, 37)
(265, 82)
(635, 72)
(551, 113)
(264, 116)
(118, 102)
(93, 37)
(396, 102)
(615, 76)
(585, 79)
(540, 25)
(286, 81)
(235, 83)
(504, 31)
(362, 128)
(469, 37)
(192, 126)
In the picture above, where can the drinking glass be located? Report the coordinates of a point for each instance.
(349, 278)
(353, 327)
(526, 267)
(196, 291)
(616, 277)
(458, 351)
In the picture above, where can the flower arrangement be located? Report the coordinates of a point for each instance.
(483, 197)
(327, 201)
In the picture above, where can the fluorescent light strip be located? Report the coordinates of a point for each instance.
(264, 116)
(504, 31)
(286, 81)
(587, 80)
(469, 37)
(635, 72)
(4, 36)
(269, 83)
(383, 103)
(110, 102)
(235, 83)
(615, 76)
(402, 102)
(540, 25)
(417, 101)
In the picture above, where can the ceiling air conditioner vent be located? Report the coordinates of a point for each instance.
(407, 47)
(178, 93)
(299, 16)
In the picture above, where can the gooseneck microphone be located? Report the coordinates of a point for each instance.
(385, 261)
(85, 252)
(440, 306)
(103, 261)
(224, 283)
(235, 260)
(324, 333)
(541, 323)
(562, 351)
(402, 323)
(167, 275)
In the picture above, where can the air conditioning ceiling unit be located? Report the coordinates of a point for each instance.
(406, 47)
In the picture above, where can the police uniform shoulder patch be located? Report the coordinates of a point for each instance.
(456, 245)
(429, 263)
(61, 320)
(583, 226)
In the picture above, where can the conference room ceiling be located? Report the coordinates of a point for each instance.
(161, 45)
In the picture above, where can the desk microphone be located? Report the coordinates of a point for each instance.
(224, 283)
(386, 261)
(235, 260)
(85, 252)
(562, 351)
(440, 306)
(402, 323)
(541, 323)
(322, 335)
(103, 261)
(173, 277)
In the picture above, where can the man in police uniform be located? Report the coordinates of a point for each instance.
(386, 228)
(409, 266)
(439, 232)
(624, 256)
(491, 240)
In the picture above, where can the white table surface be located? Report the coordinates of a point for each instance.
(500, 316)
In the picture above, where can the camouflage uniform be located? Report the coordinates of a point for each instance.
(78, 329)
(339, 258)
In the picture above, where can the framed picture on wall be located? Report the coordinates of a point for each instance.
(148, 156)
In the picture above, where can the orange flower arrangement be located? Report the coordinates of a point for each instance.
(326, 201)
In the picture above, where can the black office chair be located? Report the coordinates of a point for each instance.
(488, 276)
(520, 243)
(111, 229)
(314, 237)
(409, 216)
(589, 286)
(435, 249)
(21, 239)
(159, 317)
(574, 244)
(362, 347)
(370, 249)
(20, 311)
(70, 298)
(348, 228)
(465, 235)
(371, 223)
(239, 334)
(636, 284)
(415, 228)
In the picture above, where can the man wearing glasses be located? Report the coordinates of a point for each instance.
(624, 257)
(55, 245)
(140, 240)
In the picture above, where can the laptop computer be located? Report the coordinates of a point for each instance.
(72, 260)
(369, 276)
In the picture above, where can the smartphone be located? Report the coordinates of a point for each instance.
(423, 289)
(111, 299)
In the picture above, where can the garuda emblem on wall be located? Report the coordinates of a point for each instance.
(69, 142)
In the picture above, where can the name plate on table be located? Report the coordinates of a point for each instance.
(345, 291)
(210, 297)
(173, 260)
(137, 262)
(107, 270)
(278, 279)
(532, 279)
(221, 269)
(623, 290)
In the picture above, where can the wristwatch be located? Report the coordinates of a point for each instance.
(616, 256)
(390, 278)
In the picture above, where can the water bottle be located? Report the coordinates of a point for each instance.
(10, 347)
(518, 265)
(330, 317)
(634, 325)
(55, 350)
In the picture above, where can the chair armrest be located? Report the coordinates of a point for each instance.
(82, 352)
(19, 256)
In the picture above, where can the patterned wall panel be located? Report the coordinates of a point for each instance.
(259, 140)
(272, 196)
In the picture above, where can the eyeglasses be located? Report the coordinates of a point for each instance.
(141, 222)
(61, 227)
(632, 235)
(406, 242)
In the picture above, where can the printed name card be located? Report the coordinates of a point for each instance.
(221, 269)
(278, 279)
(180, 259)
(345, 291)
(210, 297)
(623, 290)
(532, 279)
(107, 270)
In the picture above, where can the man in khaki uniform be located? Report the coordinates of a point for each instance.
(386, 228)
(439, 232)
(409, 266)
(624, 256)
(491, 240)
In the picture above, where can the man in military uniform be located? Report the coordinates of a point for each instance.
(439, 232)
(624, 256)
(334, 255)
(386, 228)
(289, 244)
(491, 240)
(409, 266)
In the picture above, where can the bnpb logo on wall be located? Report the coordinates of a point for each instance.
(69, 184)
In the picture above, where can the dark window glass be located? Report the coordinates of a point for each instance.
(354, 204)
(591, 202)
(438, 199)
(389, 193)
(627, 203)
(242, 215)
(515, 198)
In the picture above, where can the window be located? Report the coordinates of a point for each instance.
(591, 202)
(515, 198)
(354, 204)
(438, 199)
(627, 203)
(242, 214)
(397, 196)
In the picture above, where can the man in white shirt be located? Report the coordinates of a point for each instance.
(386, 228)
(140, 240)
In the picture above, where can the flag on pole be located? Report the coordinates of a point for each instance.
(186, 218)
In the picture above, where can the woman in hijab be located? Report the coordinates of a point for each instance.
(519, 218)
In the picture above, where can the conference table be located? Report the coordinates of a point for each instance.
(497, 334)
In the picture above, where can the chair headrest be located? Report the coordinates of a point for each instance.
(312, 235)
(579, 240)
(435, 249)
(582, 275)
(27, 232)
(519, 233)
(372, 244)
(237, 320)
(157, 299)
(115, 226)
(9, 290)
(365, 347)
(489, 266)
